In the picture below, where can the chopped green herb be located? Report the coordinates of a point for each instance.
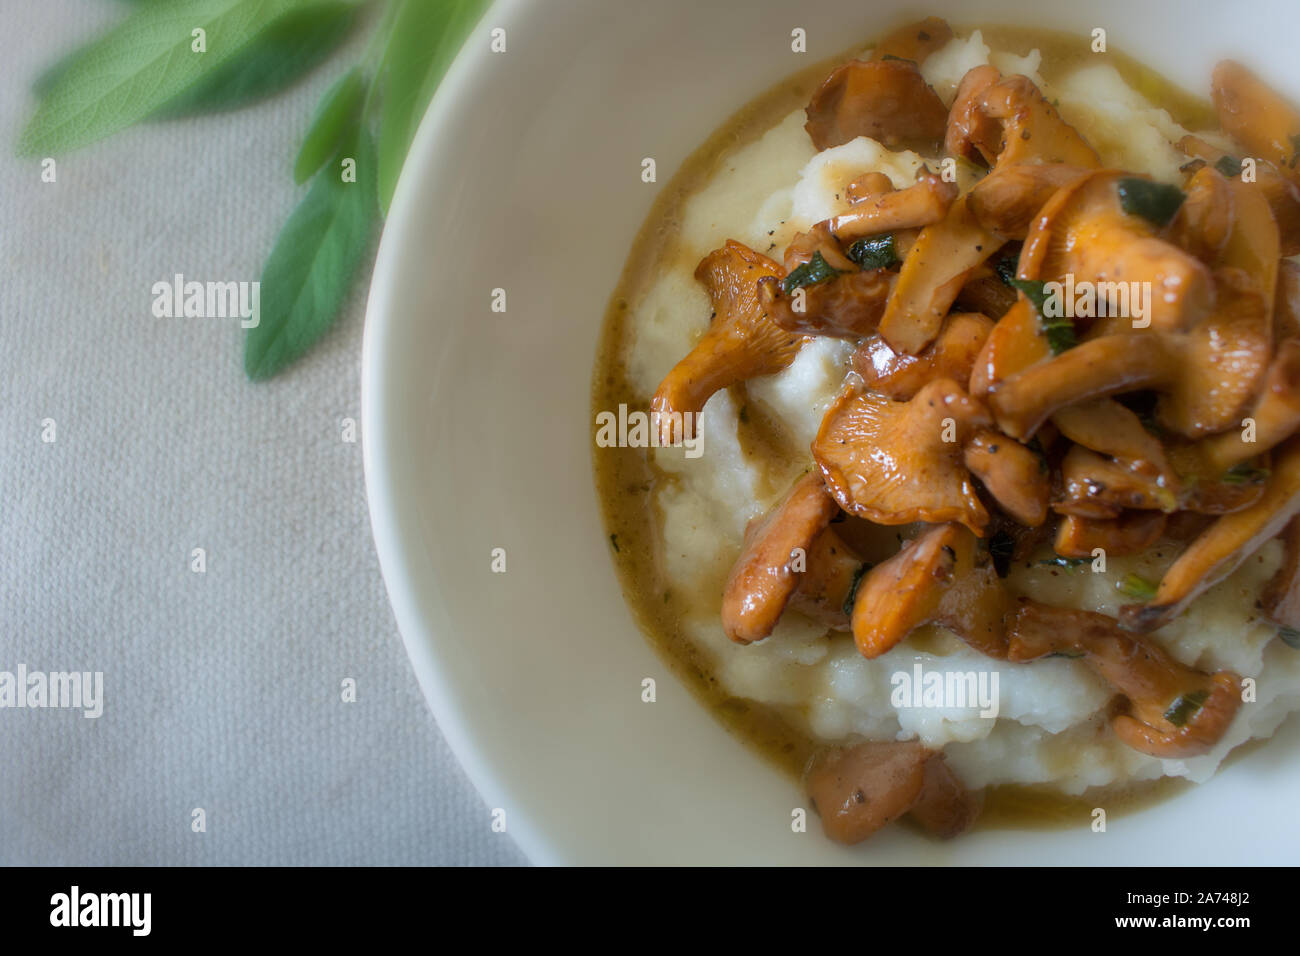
(1071, 655)
(1059, 331)
(1290, 637)
(853, 589)
(874, 252)
(613, 539)
(1185, 707)
(812, 272)
(1229, 166)
(901, 59)
(1136, 587)
(1244, 474)
(744, 415)
(1295, 150)
(1157, 203)
(1001, 547)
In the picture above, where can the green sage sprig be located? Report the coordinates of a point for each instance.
(172, 58)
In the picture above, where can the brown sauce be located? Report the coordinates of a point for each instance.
(626, 478)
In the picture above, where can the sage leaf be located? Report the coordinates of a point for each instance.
(312, 265)
(426, 36)
(334, 118)
(141, 64)
(285, 51)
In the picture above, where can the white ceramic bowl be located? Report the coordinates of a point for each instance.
(525, 176)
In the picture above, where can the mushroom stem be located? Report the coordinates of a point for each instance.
(932, 276)
(1223, 546)
(1174, 711)
(774, 558)
(920, 204)
(1094, 369)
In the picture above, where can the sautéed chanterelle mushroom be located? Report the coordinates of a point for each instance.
(995, 364)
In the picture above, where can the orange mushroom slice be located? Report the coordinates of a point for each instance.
(768, 571)
(1007, 120)
(886, 100)
(1275, 416)
(924, 202)
(1099, 487)
(1132, 532)
(1008, 199)
(938, 577)
(1014, 475)
(944, 808)
(1084, 231)
(1172, 711)
(972, 134)
(1097, 368)
(932, 276)
(898, 462)
(1280, 192)
(1206, 376)
(848, 305)
(1223, 546)
(817, 241)
(858, 790)
(1256, 116)
(826, 588)
(1014, 344)
(1109, 428)
(951, 355)
(1138, 473)
(740, 343)
(1205, 219)
(1225, 360)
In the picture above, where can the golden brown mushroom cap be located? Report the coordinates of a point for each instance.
(860, 789)
(1007, 120)
(848, 305)
(887, 100)
(893, 463)
(951, 355)
(1008, 199)
(740, 343)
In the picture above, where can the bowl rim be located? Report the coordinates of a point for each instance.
(392, 542)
